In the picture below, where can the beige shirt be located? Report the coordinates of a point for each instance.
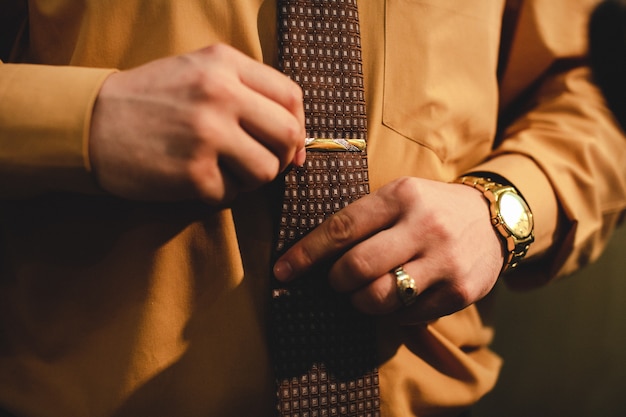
(117, 308)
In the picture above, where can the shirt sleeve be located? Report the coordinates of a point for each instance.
(564, 151)
(45, 116)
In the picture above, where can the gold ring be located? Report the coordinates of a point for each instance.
(405, 286)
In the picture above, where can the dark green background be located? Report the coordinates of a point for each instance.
(564, 345)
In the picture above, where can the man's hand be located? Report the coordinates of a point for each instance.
(441, 233)
(206, 125)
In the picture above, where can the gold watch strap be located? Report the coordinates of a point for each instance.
(515, 249)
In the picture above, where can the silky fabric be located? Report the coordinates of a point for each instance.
(323, 350)
(111, 307)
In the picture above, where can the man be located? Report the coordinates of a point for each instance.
(137, 209)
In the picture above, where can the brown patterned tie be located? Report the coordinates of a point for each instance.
(324, 351)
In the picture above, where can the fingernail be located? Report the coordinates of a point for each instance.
(283, 270)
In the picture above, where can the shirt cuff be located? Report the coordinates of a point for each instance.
(523, 173)
(45, 114)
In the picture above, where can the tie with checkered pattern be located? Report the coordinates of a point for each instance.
(324, 351)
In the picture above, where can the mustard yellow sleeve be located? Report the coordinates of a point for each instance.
(565, 152)
(45, 115)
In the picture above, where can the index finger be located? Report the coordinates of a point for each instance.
(278, 87)
(272, 84)
(335, 236)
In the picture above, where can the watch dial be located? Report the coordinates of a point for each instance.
(515, 214)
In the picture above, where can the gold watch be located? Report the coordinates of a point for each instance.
(510, 216)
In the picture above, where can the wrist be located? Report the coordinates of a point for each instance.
(510, 214)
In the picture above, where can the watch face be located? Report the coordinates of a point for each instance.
(515, 214)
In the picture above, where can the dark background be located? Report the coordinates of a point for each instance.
(564, 345)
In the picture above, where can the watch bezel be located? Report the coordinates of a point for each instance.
(524, 210)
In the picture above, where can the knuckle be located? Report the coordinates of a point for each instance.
(210, 191)
(209, 72)
(374, 299)
(266, 172)
(215, 85)
(402, 194)
(207, 134)
(459, 296)
(295, 96)
(405, 186)
(293, 132)
(378, 301)
(212, 83)
(340, 229)
(303, 254)
(204, 177)
(218, 50)
(359, 266)
(439, 228)
(216, 191)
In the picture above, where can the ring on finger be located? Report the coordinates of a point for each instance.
(405, 285)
